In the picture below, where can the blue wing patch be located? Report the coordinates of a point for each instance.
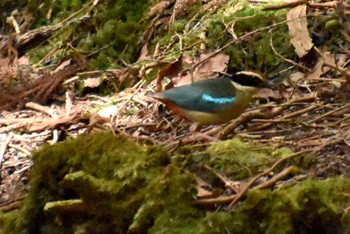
(221, 100)
(208, 96)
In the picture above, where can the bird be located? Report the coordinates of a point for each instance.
(213, 101)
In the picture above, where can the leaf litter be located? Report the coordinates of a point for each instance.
(306, 113)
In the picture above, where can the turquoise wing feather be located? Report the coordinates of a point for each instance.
(205, 96)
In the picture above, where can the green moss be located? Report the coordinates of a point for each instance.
(311, 207)
(254, 51)
(125, 185)
(251, 52)
(8, 221)
(111, 34)
(238, 160)
(101, 183)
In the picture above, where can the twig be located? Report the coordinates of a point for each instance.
(240, 195)
(286, 172)
(234, 198)
(258, 1)
(287, 60)
(39, 107)
(322, 4)
(234, 40)
(344, 72)
(234, 186)
(285, 5)
(69, 102)
(260, 115)
(339, 121)
(4, 146)
(329, 113)
(11, 206)
(25, 151)
(297, 113)
(284, 120)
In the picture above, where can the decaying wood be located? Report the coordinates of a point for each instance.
(40, 89)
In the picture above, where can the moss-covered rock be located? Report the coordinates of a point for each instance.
(102, 183)
(312, 206)
(239, 160)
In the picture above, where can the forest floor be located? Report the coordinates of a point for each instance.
(306, 121)
(309, 111)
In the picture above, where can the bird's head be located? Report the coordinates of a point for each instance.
(253, 79)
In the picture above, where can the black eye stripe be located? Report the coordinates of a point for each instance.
(249, 78)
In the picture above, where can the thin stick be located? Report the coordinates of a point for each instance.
(240, 195)
(25, 151)
(297, 113)
(287, 171)
(329, 113)
(4, 146)
(285, 5)
(232, 185)
(235, 197)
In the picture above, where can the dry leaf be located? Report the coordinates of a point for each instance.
(208, 69)
(295, 77)
(63, 65)
(171, 70)
(159, 7)
(182, 6)
(213, 65)
(268, 93)
(319, 68)
(143, 52)
(297, 25)
(204, 193)
(341, 58)
(204, 190)
(108, 111)
(92, 82)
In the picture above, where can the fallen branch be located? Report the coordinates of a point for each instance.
(285, 5)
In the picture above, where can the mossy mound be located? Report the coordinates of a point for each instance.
(102, 183)
(312, 206)
(238, 160)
